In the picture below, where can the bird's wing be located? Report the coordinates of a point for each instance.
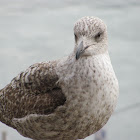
(34, 91)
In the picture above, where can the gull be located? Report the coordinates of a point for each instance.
(66, 99)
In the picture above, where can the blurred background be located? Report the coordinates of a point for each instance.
(38, 30)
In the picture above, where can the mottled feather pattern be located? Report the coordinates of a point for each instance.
(34, 91)
(67, 99)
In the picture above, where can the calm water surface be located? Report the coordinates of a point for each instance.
(34, 31)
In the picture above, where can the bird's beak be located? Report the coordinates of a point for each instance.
(80, 50)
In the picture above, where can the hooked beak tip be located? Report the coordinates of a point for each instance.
(77, 56)
(79, 50)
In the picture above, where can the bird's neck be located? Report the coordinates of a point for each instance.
(71, 69)
(87, 62)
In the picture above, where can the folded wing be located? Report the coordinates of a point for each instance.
(34, 91)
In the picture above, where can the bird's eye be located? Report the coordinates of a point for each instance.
(76, 38)
(97, 35)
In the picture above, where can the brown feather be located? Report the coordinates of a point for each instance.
(32, 92)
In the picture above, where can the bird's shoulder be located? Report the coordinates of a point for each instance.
(39, 77)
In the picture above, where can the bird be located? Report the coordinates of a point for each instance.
(65, 99)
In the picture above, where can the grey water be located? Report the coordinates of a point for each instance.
(40, 30)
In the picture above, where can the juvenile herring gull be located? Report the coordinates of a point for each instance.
(65, 99)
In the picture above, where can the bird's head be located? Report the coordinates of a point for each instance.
(90, 37)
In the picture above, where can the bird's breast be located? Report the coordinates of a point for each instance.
(91, 90)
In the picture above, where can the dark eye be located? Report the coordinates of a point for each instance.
(97, 36)
(76, 38)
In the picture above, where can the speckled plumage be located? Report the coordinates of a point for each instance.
(66, 99)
